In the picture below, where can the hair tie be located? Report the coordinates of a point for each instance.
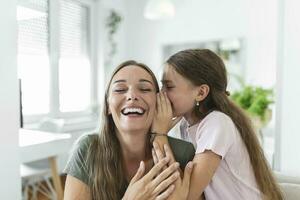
(227, 93)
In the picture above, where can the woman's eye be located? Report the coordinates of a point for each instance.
(119, 90)
(146, 89)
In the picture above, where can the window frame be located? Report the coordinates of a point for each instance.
(54, 47)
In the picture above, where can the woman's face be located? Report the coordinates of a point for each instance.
(132, 99)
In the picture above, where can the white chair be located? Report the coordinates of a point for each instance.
(35, 173)
(32, 178)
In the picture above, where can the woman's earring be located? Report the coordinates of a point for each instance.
(197, 103)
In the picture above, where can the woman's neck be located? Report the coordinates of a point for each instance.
(135, 147)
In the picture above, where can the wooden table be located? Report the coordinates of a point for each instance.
(36, 145)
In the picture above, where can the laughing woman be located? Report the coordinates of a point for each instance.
(117, 163)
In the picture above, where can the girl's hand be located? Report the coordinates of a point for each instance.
(163, 119)
(182, 185)
(155, 185)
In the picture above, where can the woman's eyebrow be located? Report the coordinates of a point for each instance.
(145, 80)
(119, 81)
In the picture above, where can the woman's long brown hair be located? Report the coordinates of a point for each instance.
(104, 158)
(202, 66)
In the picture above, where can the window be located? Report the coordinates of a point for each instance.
(33, 59)
(74, 66)
(54, 62)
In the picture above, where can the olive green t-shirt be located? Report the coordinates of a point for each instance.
(183, 152)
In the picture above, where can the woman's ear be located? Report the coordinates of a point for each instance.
(203, 91)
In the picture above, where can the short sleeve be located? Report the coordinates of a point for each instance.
(217, 133)
(76, 165)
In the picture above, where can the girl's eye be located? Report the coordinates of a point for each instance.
(169, 87)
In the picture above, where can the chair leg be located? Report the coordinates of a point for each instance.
(25, 192)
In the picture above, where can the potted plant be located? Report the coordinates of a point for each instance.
(256, 102)
(113, 22)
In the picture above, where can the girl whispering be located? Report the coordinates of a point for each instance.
(229, 163)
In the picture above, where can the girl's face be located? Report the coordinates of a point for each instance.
(132, 99)
(181, 92)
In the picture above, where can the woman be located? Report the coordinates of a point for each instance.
(102, 165)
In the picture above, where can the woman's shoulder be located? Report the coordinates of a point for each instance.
(76, 165)
(85, 140)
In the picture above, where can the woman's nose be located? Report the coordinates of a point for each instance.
(132, 95)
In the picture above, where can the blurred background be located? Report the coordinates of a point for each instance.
(56, 56)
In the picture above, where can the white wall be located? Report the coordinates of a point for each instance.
(104, 8)
(10, 183)
(199, 20)
(288, 120)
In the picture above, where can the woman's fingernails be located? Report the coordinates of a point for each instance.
(165, 146)
(190, 165)
(172, 187)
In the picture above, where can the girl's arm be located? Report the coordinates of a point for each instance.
(204, 166)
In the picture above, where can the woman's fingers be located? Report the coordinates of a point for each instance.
(154, 156)
(166, 193)
(187, 174)
(169, 153)
(139, 173)
(156, 169)
(158, 152)
(165, 178)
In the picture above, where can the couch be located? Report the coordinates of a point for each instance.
(290, 185)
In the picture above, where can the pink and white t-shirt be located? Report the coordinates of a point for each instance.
(234, 178)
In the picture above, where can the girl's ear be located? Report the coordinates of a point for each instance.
(203, 91)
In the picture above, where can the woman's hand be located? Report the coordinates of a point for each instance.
(156, 184)
(182, 185)
(163, 119)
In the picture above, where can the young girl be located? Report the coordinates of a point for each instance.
(229, 163)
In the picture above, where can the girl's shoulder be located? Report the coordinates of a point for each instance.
(216, 118)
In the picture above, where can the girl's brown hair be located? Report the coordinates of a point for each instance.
(202, 66)
(104, 157)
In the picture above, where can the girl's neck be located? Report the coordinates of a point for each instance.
(192, 119)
